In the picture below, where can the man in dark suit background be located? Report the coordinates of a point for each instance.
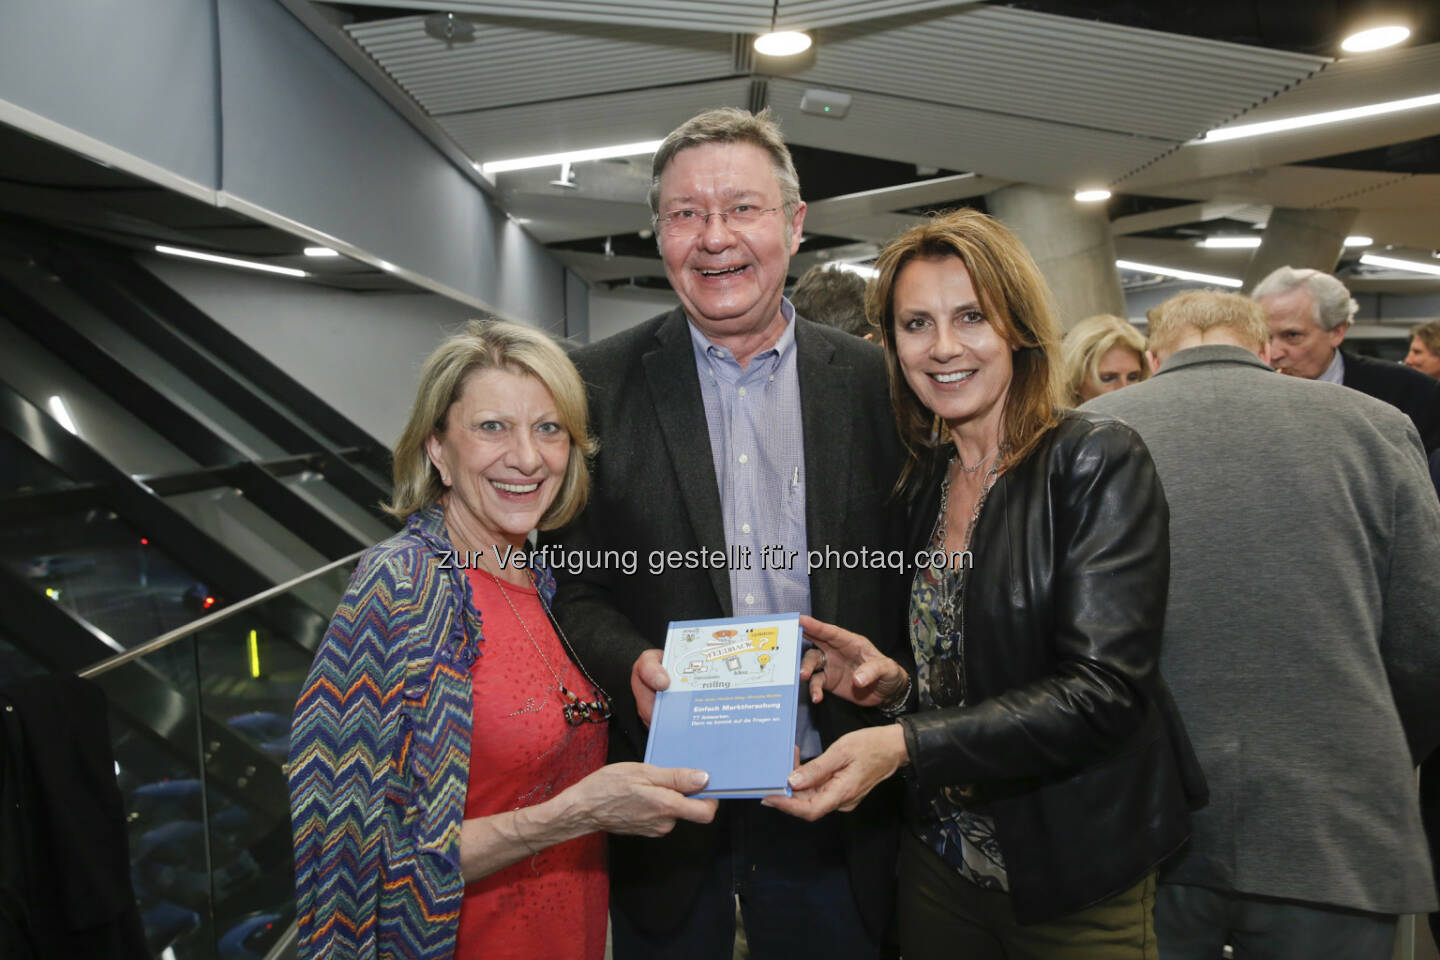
(1310, 313)
(731, 423)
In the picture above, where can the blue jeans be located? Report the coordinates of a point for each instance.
(794, 894)
(1195, 923)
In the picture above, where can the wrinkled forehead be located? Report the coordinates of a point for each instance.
(1294, 309)
(719, 171)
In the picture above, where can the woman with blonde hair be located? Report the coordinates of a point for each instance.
(1048, 771)
(1100, 354)
(446, 778)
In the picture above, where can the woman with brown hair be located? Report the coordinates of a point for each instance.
(1049, 773)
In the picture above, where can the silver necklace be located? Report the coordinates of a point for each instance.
(947, 673)
(964, 469)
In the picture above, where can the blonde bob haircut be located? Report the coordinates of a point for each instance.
(490, 344)
(1086, 345)
(1017, 304)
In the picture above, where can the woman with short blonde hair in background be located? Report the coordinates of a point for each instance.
(1100, 354)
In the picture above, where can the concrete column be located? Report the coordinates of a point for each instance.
(1071, 242)
(1300, 238)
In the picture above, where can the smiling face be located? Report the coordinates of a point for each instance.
(1119, 367)
(502, 458)
(729, 282)
(1297, 344)
(1422, 358)
(950, 354)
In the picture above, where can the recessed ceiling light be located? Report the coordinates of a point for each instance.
(321, 252)
(1092, 196)
(786, 43)
(569, 156)
(1229, 243)
(1377, 38)
(1358, 241)
(228, 261)
(1394, 263)
(1176, 272)
(1316, 119)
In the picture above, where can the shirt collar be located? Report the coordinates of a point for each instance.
(1335, 373)
(707, 352)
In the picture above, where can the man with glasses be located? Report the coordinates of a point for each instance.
(730, 424)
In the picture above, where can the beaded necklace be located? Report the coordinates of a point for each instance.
(576, 711)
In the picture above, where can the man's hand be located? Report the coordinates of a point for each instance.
(646, 678)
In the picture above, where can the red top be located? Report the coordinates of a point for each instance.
(523, 752)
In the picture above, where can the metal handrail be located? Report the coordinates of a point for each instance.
(180, 633)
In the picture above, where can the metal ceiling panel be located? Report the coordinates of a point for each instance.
(1293, 186)
(1356, 82)
(575, 124)
(1202, 161)
(1015, 148)
(813, 14)
(1041, 66)
(529, 61)
(725, 16)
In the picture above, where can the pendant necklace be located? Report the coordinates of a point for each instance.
(576, 711)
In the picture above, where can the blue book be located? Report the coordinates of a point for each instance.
(730, 709)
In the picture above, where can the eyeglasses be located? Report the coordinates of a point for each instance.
(742, 218)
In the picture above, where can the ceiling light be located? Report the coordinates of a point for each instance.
(859, 269)
(450, 28)
(1316, 119)
(1092, 196)
(1377, 38)
(1373, 260)
(61, 413)
(1230, 243)
(229, 261)
(1175, 272)
(571, 156)
(786, 43)
(321, 252)
(1359, 241)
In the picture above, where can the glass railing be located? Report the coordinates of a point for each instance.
(200, 725)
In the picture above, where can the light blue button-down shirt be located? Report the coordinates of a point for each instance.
(1335, 373)
(757, 442)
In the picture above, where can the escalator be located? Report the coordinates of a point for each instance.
(200, 727)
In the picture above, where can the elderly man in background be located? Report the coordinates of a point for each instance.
(730, 424)
(1302, 642)
(834, 297)
(1424, 352)
(1310, 313)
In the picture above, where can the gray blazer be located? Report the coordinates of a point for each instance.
(1302, 633)
(655, 489)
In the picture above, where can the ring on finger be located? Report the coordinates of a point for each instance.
(824, 659)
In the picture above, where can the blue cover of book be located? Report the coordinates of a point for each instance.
(730, 709)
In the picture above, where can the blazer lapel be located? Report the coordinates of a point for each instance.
(675, 392)
(826, 412)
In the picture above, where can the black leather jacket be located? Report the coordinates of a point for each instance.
(1070, 738)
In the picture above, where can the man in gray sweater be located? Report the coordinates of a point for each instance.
(1302, 642)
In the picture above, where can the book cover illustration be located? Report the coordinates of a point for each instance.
(730, 709)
